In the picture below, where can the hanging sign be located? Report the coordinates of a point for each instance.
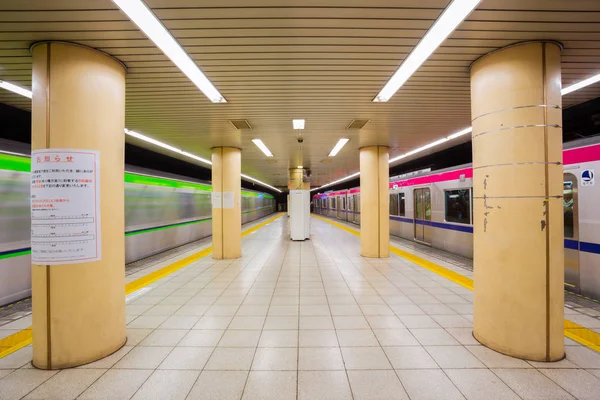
(587, 177)
(65, 206)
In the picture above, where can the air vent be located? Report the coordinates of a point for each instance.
(241, 124)
(357, 123)
(272, 161)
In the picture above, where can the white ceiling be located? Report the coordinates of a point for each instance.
(321, 60)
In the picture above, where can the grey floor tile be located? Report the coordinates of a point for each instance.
(583, 357)
(202, 338)
(278, 338)
(350, 322)
(453, 357)
(116, 384)
(17, 359)
(581, 384)
(230, 359)
(239, 338)
(147, 322)
(19, 383)
(66, 385)
(320, 358)
(164, 337)
(219, 385)
(213, 322)
(270, 385)
(192, 358)
(430, 384)
(108, 361)
(316, 322)
(480, 384)
(493, 359)
(275, 359)
(179, 322)
(595, 372)
(247, 323)
(384, 322)
(452, 321)
(167, 385)
(278, 323)
(142, 357)
(135, 336)
(419, 321)
(365, 358)
(531, 384)
(4, 372)
(395, 337)
(380, 385)
(463, 335)
(434, 337)
(356, 338)
(318, 338)
(410, 357)
(320, 385)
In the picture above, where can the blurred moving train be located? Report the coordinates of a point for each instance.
(162, 211)
(436, 209)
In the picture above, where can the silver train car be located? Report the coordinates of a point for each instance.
(436, 209)
(162, 211)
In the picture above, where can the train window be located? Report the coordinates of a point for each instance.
(334, 203)
(568, 207)
(401, 205)
(458, 206)
(393, 204)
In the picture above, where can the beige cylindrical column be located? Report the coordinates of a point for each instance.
(518, 216)
(374, 202)
(226, 209)
(79, 103)
(297, 180)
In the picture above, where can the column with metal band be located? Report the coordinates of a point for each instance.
(226, 203)
(518, 216)
(79, 104)
(296, 181)
(374, 202)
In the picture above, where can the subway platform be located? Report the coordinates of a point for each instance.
(306, 320)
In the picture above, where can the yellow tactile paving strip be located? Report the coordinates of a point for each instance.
(18, 340)
(573, 331)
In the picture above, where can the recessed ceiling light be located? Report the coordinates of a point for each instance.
(15, 89)
(336, 149)
(299, 167)
(579, 85)
(452, 16)
(259, 143)
(140, 14)
(298, 123)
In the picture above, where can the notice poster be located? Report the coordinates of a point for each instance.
(216, 199)
(65, 206)
(228, 199)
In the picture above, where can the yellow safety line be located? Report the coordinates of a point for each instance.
(573, 331)
(16, 341)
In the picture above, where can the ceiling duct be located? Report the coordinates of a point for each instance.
(357, 124)
(241, 124)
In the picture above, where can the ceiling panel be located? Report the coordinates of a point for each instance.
(322, 60)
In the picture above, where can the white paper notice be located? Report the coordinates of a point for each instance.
(228, 199)
(65, 206)
(216, 199)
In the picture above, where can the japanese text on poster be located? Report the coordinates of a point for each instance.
(65, 206)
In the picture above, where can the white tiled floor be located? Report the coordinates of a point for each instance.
(309, 320)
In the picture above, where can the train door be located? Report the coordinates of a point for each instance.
(357, 209)
(350, 212)
(570, 209)
(422, 215)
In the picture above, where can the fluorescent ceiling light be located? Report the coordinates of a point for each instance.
(259, 143)
(260, 182)
(579, 85)
(15, 89)
(298, 123)
(452, 16)
(336, 149)
(433, 144)
(140, 14)
(354, 175)
(190, 155)
(299, 167)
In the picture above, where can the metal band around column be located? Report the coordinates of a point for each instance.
(518, 108)
(508, 128)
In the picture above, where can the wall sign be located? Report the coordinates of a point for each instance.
(65, 206)
(587, 177)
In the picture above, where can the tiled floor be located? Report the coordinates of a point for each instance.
(309, 320)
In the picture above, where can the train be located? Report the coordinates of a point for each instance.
(435, 208)
(162, 211)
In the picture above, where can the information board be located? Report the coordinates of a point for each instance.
(65, 206)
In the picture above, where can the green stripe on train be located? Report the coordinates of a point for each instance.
(23, 164)
(17, 254)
